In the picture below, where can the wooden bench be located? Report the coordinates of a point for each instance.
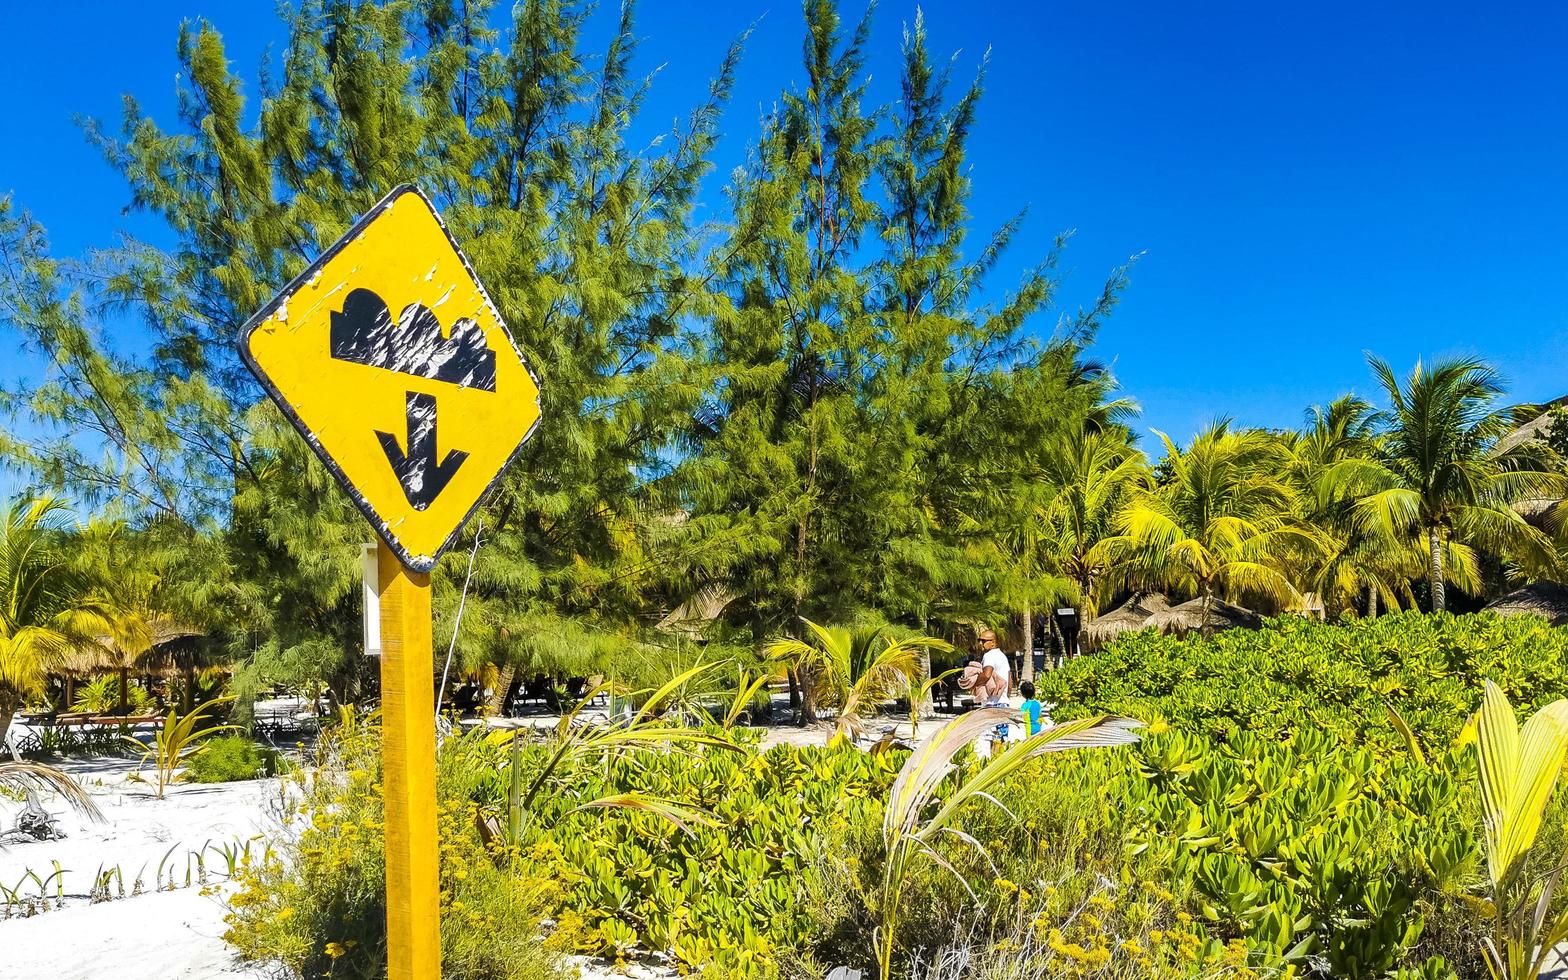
(79, 719)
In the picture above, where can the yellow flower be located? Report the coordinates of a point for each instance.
(335, 950)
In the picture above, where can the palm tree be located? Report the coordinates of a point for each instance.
(1030, 576)
(1440, 477)
(853, 669)
(1059, 541)
(1354, 559)
(1095, 475)
(131, 592)
(1345, 429)
(47, 606)
(1222, 518)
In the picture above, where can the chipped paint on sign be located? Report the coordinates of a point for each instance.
(416, 412)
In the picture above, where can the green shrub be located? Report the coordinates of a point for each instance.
(1299, 676)
(1280, 790)
(102, 696)
(1045, 885)
(50, 741)
(722, 895)
(316, 904)
(231, 758)
(1353, 860)
(1274, 823)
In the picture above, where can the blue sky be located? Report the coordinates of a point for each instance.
(1306, 182)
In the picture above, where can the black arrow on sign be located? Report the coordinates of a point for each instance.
(422, 477)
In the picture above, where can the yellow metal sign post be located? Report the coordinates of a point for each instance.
(408, 762)
(390, 359)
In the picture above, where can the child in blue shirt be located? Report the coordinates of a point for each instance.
(1030, 707)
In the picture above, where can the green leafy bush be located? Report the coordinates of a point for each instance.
(1299, 676)
(1177, 858)
(723, 893)
(102, 696)
(1042, 885)
(315, 905)
(231, 758)
(1348, 860)
(1280, 792)
(50, 741)
(1274, 822)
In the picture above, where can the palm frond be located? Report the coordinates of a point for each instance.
(37, 776)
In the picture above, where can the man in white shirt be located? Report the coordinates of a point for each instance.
(994, 679)
(995, 670)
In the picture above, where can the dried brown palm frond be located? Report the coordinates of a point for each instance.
(37, 776)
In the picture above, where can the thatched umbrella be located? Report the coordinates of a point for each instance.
(1545, 599)
(1198, 614)
(178, 651)
(1131, 615)
(170, 649)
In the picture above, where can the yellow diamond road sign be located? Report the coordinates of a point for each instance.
(392, 362)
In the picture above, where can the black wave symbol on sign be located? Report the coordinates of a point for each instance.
(363, 333)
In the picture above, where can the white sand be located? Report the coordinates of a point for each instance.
(171, 935)
(138, 830)
(174, 935)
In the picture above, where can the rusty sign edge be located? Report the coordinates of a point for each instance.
(378, 523)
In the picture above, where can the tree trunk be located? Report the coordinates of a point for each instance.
(927, 707)
(808, 696)
(496, 702)
(70, 694)
(1439, 598)
(125, 691)
(190, 690)
(5, 728)
(1205, 630)
(1028, 667)
(1372, 602)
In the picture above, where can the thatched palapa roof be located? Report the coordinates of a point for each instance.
(1533, 509)
(104, 656)
(1131, 615)
(1190, 617)
(1535, 429)
(1546, 599)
